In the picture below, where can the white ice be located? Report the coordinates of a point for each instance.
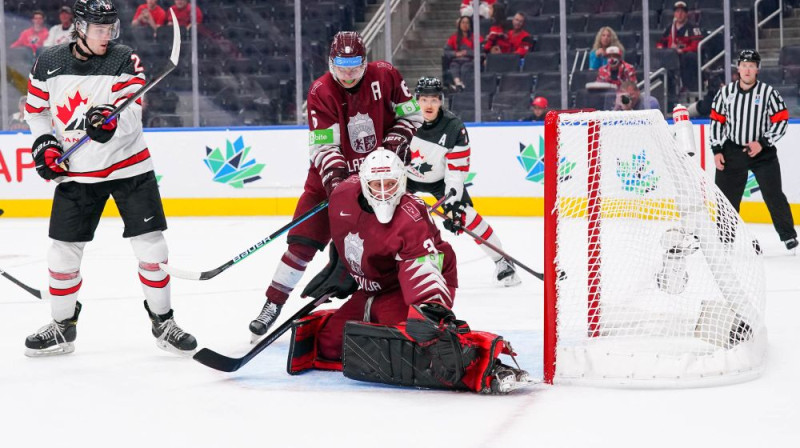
(119, 390)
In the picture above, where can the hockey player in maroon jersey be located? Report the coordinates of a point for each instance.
(440, 155)
(72, 88)
(353, 109)
(405, 281)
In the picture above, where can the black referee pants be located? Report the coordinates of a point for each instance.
(767, 171)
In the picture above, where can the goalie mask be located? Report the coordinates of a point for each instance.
(383, 182)
(348, 58)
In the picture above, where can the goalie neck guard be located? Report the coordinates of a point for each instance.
(383, 183)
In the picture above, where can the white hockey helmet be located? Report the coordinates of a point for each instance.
(383, 182)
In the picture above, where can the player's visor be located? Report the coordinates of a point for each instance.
(98, 31)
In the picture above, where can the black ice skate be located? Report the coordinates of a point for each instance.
(506, 273)
(55, 338)
(265, 320)
(791, 244)
(506, 378)
(169, 336)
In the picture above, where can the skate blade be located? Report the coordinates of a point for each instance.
(510, 384)
(510, 281)
(167, 347)
(56, 350)
(254, 338)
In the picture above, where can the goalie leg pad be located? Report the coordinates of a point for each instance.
(303, 346)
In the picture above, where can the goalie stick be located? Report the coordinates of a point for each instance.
(173, 62)
(205, 275)
(33, 291)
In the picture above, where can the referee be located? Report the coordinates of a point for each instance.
(747, 118)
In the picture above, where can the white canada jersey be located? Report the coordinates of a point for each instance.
(440, 150)
(61, 90)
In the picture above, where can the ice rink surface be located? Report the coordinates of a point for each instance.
(119, 390)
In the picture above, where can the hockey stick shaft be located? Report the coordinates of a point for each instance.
(205, 275)
(497, 250)
(173, 62)
(212, 359)
(33, 291)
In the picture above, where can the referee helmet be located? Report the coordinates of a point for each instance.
(749, 56)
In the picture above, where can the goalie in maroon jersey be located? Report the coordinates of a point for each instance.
(402, 277)
(352, 110)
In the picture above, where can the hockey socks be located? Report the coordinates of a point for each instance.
(289, 272)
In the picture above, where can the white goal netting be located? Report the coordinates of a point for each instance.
(660, 282)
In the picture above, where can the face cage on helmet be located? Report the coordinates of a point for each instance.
(384, 203)
(97, 31)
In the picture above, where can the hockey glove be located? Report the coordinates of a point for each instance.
(46, 150)
(95, 128)
(334, 279)
(456, 219)
(332, 178)
(427, 321)
(398, 144)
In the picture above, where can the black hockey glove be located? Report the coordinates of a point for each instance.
(46, 150)
(456, 219)
(334, 279)
(95, 128)
(332, 178)
(427, 321)
(398, 144)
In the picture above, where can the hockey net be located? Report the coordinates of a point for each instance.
(651, 277)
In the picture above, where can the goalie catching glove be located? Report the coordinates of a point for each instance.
(334, 279)
(46, 151)
(96, 128)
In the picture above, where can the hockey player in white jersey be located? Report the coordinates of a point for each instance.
(439, 163)
(72, 88)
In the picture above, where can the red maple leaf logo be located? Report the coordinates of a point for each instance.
(64, 113)
(416, 154)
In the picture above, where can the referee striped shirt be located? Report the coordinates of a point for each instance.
(744, 116)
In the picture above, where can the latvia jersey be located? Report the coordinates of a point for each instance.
(440, 150)
(347, 124)
(62, 88)
(408, 252)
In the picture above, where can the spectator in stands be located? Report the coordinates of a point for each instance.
(606, 37)
(183, 13)
(61, 33)
(683, 37)
(459, 52)
(17, 122)
(538, 109)
(35, 36)
(154, 16)
(616, 71)
(630, 98)
(520, 40)
(496, 40)
(485, 8)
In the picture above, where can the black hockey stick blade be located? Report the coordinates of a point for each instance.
(33, 291)
(173, 62)
(223, 363)
(205, 275)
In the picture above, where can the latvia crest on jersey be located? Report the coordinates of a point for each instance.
(354, 251)
(361, 130)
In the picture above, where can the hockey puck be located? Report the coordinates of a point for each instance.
(1, 212)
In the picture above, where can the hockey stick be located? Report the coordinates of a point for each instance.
(205, 275)
(173, 62)
(212, 359)
(497, 250)
(33, 291)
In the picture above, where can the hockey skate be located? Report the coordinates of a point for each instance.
(169, 336)
(506, 378)
(791, 245)
(55, 338)
(506, 273)
(259, 327)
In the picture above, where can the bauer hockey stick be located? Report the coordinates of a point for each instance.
(205, 275)
(212, 359)
(33, 291)
(173, 62)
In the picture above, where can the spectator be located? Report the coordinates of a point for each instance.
(496, 40)
(606, 37)
(459, 52)
(35, 36)
(538, 109)
(485, 8)
(17, 122)
(520, 40)
(61, 33)
(630, 98)
(683, 37)
(154, 16)
(616, 71)
(183, 13)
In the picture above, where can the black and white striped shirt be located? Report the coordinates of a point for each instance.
(758, 114)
